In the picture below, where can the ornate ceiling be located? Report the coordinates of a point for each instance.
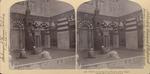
(49, 8)
(45, 8)
(111, 7)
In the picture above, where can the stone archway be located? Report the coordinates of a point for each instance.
(85, 35)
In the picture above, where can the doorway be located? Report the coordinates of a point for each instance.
(84, 36)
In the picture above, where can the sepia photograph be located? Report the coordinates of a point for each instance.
(110, 35)
(74, 36)
(42, 35)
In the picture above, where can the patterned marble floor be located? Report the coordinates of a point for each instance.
(123, 53)
(35, 58)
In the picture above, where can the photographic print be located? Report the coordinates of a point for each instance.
(110, 35)
(42, 35)
(74, 36)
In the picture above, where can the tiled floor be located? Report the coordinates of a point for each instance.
(124, 53)
(99, 57)
(35, 58)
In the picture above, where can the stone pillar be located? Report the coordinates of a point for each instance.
(29, 41)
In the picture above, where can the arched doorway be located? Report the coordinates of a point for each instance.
(85, 35)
